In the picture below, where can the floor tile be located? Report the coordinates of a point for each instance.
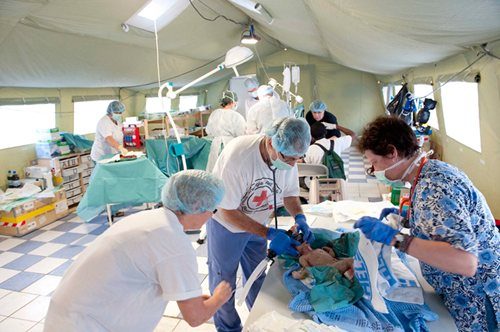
(6, 274)
(46, 265)
(68, 252)
(35, 310)
(183, 326)
(10, 243)
(3, 292)
(69, 217)
(2, 318)
(99, 230)
(47, 249)
(53, 225)
(85, 240)
(27, 246)
(37, 328)
(167, 324)
(84, 228)
(172, 309)
(16, 325)
(66, 226)
(20, 281)
(23, 262)
(67, 238)
(47, 236)
(14, 301)
(61, 269)
(33, 234)
(44, 286)
(7, 257)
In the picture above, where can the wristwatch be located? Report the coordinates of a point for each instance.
(402, 242)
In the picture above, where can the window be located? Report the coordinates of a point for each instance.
(385, 90)
(461, 113)
(423, 91)
(153, 104)
(187, 103)
(24, 121)
(87, 114)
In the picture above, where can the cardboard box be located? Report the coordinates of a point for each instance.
(32, 208)
(59, 210)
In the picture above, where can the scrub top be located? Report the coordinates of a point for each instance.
(124, 279)
(328, 118)
(447, 207)
(106, 127)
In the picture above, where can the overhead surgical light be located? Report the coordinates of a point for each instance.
(234, 57)
(249, 37)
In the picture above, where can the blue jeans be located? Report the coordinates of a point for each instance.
(226, 250)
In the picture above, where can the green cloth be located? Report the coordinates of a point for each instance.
(127, 183)
(77, 142)
(196, 151)
(332, 290)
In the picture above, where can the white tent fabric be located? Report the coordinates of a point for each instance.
(74, 43)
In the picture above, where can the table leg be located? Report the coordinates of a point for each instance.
(110, 216)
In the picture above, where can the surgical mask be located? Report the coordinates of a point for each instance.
(117, 117)
(380, 175)
(235, 106)
(281, 165)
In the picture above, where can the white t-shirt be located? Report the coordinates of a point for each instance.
(249, 181)
(123, 281)
(105, 127)
(315, 154)
(261, 115)
(225, 122)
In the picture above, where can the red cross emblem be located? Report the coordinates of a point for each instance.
(261, 198)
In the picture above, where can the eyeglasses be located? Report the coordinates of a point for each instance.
(288, 159)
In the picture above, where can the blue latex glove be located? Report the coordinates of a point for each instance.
(376, 230)
(387, 211)
(281, 243)
(301, 222)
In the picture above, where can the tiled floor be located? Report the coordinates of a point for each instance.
(32, 266)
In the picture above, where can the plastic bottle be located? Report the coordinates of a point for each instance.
(9, 179)
(16, 181)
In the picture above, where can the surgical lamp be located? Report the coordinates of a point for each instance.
(272, 82)
(250, 38)
(234, 57)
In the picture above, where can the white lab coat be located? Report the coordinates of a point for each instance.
(105, 127)
(248, 104)
(223, 125)
(262, 114)
(123, 281)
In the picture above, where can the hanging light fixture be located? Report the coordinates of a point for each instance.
(249, 37)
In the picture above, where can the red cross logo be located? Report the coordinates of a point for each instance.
(260, 199)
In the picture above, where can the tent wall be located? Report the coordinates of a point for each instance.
(19, 157)
(481, 167)
(353, 96)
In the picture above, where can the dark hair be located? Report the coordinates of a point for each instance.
(318, 131)
(386, 131)
(226, 101)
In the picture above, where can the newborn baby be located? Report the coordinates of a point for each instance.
(321, 257)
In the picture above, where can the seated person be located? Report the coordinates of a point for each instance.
(318, 112)
(314, 154)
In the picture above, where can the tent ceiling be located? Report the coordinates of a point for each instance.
(74, 43)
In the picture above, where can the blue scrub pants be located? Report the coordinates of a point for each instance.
(226, 250)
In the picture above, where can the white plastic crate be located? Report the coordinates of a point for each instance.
(70, 162)
(70, 171)
(73, 192)
(86, 180)
(74, 200)
(87, 172)
(71, 178)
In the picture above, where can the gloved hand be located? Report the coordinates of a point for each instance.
(122, 150)
(329, 126)
(301, 222)
(387, 211)
(283, 244)
(376, 230)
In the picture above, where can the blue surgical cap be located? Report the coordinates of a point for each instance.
(317, 106)
(115, 107)
(192, 192)
(290, 136)
(251, 83)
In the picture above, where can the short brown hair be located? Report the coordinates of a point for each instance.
(380, 134)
